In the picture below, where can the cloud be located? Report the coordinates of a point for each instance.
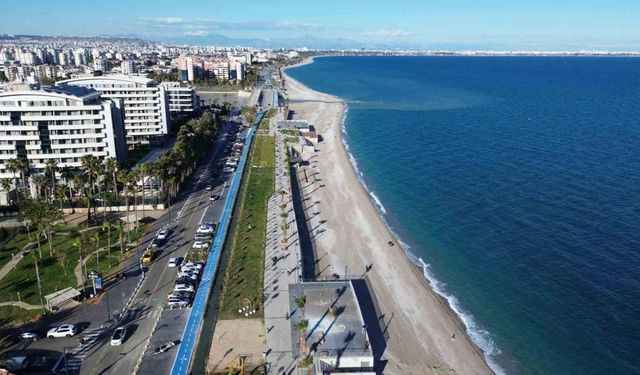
(196, 33)
(384, 33)
(213, 24)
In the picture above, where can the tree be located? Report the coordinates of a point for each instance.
(50, 168)
(307, 361)
(108, 225)
(60, 195)
(67, 175)
(21, 166)
(302, 325)
(41, 183)
(111, 168)
(32, 212)
(90, 165)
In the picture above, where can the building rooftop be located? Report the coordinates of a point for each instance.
(111, 77)
(78, 91)
(336, 326)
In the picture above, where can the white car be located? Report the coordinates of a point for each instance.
(65, 330)
(187, 265)
(205, 228)
(200, 245)
(186, 274)
(118, 336)
(162, 234)
(174, 262)
(183, 288)
(178, 302)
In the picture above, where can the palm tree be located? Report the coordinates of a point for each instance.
(78, 242)
(15, 166)
(122, 176)
(108, 225)
(111, 168)
(89, 166)
(5, 183)
(145, 171)
(41, 183)
(133, 179)
(50, 168)
(66, 173)
(60, 194)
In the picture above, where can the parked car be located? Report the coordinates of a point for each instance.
(118, 336)
(174, 262)
(183, 288)
(200, 245)
(205, 228)
(184, 295)
(197, 266)
(65, 330)
(178, 302)
(186, 280)
(187, 275)
(202, 237)
(162, 234)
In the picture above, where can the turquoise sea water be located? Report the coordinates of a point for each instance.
(516, 182)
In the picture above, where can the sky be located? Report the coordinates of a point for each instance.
(424, 24)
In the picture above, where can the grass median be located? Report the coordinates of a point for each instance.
(243, 281)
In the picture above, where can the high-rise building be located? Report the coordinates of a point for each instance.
(182, 98)
(145, 103)
(63, 123)
(128, 67)
(100, 64)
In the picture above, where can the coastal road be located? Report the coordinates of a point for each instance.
(147, 304)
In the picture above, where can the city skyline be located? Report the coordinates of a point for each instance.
(495, 24)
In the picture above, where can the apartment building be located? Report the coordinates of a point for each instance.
(63, 123)
(146, 106)
(182, 98)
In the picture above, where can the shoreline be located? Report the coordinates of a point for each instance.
(457, 355)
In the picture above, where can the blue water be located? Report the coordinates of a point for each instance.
(517, 181)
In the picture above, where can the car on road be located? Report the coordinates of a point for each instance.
(200, 245)
(184, 295)
(148, 256)
(186, 280)
(29, 336)
(214, 197)
(209, 186)
(65, 330)
(118, 336)
(202, 237)
(154, 243)
(183, 288)
(162, 234)
(191, 265)
(228, 170)
(174, 262)
(187, 275)
(205, 229)
(178, 302)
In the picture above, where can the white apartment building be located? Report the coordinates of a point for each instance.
(181, 98)
(101, 64)
(60, 123)
(145, 103)
(128, 67)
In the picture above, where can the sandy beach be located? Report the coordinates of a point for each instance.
(424, 334)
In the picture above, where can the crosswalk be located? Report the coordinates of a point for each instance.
(73, 361)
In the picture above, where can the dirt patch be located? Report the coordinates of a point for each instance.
(234, 339)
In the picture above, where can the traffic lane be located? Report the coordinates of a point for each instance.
(181, 237)
(153, 295)
(165, 332)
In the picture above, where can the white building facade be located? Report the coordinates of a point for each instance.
(145, 103)
(59, 123)
(181, 98)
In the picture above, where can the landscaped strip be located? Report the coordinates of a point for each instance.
(243, 279)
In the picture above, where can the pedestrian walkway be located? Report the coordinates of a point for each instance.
(21, 304)
(282, 268)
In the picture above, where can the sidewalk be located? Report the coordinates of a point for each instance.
(284, 271)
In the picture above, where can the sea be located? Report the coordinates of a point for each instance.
(514, 183)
